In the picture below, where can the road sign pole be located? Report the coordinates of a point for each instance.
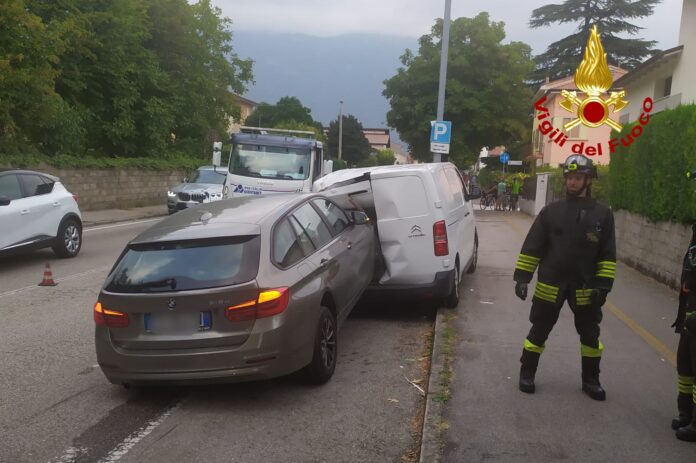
(444, 49)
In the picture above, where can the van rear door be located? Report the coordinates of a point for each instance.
(405, 228)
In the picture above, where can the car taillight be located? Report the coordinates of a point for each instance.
(110, 318)
(269, 302)
(74, 196)
(440, 238)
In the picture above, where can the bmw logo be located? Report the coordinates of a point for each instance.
(171, 304)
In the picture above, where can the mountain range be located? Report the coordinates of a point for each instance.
(321, 71)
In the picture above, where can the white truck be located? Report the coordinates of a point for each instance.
(266, 160)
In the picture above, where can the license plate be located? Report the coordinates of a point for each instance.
(177, 323)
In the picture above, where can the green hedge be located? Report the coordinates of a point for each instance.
(171, 162)
(648, 177)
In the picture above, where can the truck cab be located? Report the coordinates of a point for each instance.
(264, 161)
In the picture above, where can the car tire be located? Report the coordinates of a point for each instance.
(474, 259)
(323, 363)
(452, 299)
(69, 239)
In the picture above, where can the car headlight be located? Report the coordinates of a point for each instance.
(171, 194)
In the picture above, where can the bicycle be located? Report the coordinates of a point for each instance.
(487, 200)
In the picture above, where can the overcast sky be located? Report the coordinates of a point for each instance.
(413, 18)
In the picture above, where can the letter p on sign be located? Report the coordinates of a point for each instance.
(440, 135)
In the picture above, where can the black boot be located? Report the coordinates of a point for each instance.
(688, 433)
(685, 407)
(590, 378)
(530, 361)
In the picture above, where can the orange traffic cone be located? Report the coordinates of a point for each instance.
(48, 277)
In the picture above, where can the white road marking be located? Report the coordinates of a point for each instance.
(120, 225)
(71, 454)
(129, 442)
(486, 302)
(69, 277)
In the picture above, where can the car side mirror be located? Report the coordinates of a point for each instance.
(473, 195)
(359, 218)
(5, 201)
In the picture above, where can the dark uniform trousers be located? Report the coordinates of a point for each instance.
(544, 316)
(686, 369)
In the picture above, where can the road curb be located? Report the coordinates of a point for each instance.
(430, 451)
(96, 223)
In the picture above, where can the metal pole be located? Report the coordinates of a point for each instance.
(340, 129)
(444, 49)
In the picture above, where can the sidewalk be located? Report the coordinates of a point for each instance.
(92, 218)
(475, 411)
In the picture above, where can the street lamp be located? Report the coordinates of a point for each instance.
(444, 48)
(340, 129)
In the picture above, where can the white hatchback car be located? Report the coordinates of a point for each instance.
(37, 211)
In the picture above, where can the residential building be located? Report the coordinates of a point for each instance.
(667, 77)
(246, 107)
(544, 150)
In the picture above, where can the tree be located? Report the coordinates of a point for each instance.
(287, 109)
(487, 99)
(355, 147)
(385, 157)
(611, 17)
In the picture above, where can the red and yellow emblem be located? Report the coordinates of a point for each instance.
(594, 78)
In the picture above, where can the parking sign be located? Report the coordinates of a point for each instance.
(440, 136)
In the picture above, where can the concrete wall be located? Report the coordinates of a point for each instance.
(656, 249)
(116, 188)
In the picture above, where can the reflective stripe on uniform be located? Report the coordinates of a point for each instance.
(528, 345)
(582, 296)
(685, 384)
(587, 351)
(606, 269)
(546, 292)
(527, 263)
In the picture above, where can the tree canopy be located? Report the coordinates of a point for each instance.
(118, 78)
(288, 113)
(355, 148)
(486, 98)
(612, 18)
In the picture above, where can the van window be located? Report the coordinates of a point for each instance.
(400, 197)
(455, 186)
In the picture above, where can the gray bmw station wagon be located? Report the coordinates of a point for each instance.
(241, 289)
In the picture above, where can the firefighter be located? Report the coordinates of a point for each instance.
(685, 325)
(572, 242)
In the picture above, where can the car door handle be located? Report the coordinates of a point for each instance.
(56, 204)
(25, 212)
(323, 262)
(349, 245)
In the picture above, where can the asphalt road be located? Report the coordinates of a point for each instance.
(55, 405)
(489, 419)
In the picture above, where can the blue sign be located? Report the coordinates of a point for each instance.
(441, 132)
(505, 157)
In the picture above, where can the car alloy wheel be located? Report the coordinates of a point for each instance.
(72, 238)
(328, 343)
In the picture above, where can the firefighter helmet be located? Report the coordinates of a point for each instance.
(581, 164)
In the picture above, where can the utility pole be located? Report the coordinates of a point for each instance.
(340, 129)
(444, 49)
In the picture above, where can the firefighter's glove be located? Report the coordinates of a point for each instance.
(521, 290)
(690, 323)
(598, 297)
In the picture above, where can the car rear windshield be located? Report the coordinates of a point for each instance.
(186, 265)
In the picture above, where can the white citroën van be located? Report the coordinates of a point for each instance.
(424, 220)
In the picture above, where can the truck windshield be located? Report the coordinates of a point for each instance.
(270, 162)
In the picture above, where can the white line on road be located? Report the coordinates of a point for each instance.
(120, 225)
(69, 277)
(129, 442)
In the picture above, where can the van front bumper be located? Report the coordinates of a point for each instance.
(440, 287)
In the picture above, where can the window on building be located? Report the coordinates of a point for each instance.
(667, 91)
(575, 132)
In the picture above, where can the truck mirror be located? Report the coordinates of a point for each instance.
(359, 218)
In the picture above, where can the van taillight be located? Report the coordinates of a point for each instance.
(269, 302)
(440, 238)
(110, 318)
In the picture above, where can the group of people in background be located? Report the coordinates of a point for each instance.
(502, 190)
